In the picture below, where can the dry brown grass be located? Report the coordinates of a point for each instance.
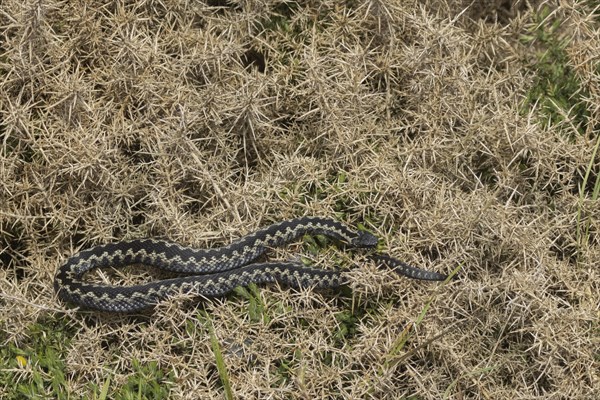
(202, 123)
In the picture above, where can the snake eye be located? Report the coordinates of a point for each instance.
(365, 239)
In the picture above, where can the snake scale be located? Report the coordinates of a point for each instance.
(212, 272)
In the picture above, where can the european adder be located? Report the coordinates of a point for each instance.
(212, 272)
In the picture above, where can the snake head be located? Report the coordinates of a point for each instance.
(365, 240)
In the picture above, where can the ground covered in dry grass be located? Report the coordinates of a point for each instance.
(463, 137)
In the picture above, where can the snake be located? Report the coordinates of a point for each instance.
(213, 272)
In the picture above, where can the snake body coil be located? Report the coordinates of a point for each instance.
(211, 272)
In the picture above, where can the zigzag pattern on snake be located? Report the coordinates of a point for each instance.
(212, 272)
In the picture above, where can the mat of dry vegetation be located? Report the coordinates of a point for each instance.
(203, 121)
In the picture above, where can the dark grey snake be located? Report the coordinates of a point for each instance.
(212, 272)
